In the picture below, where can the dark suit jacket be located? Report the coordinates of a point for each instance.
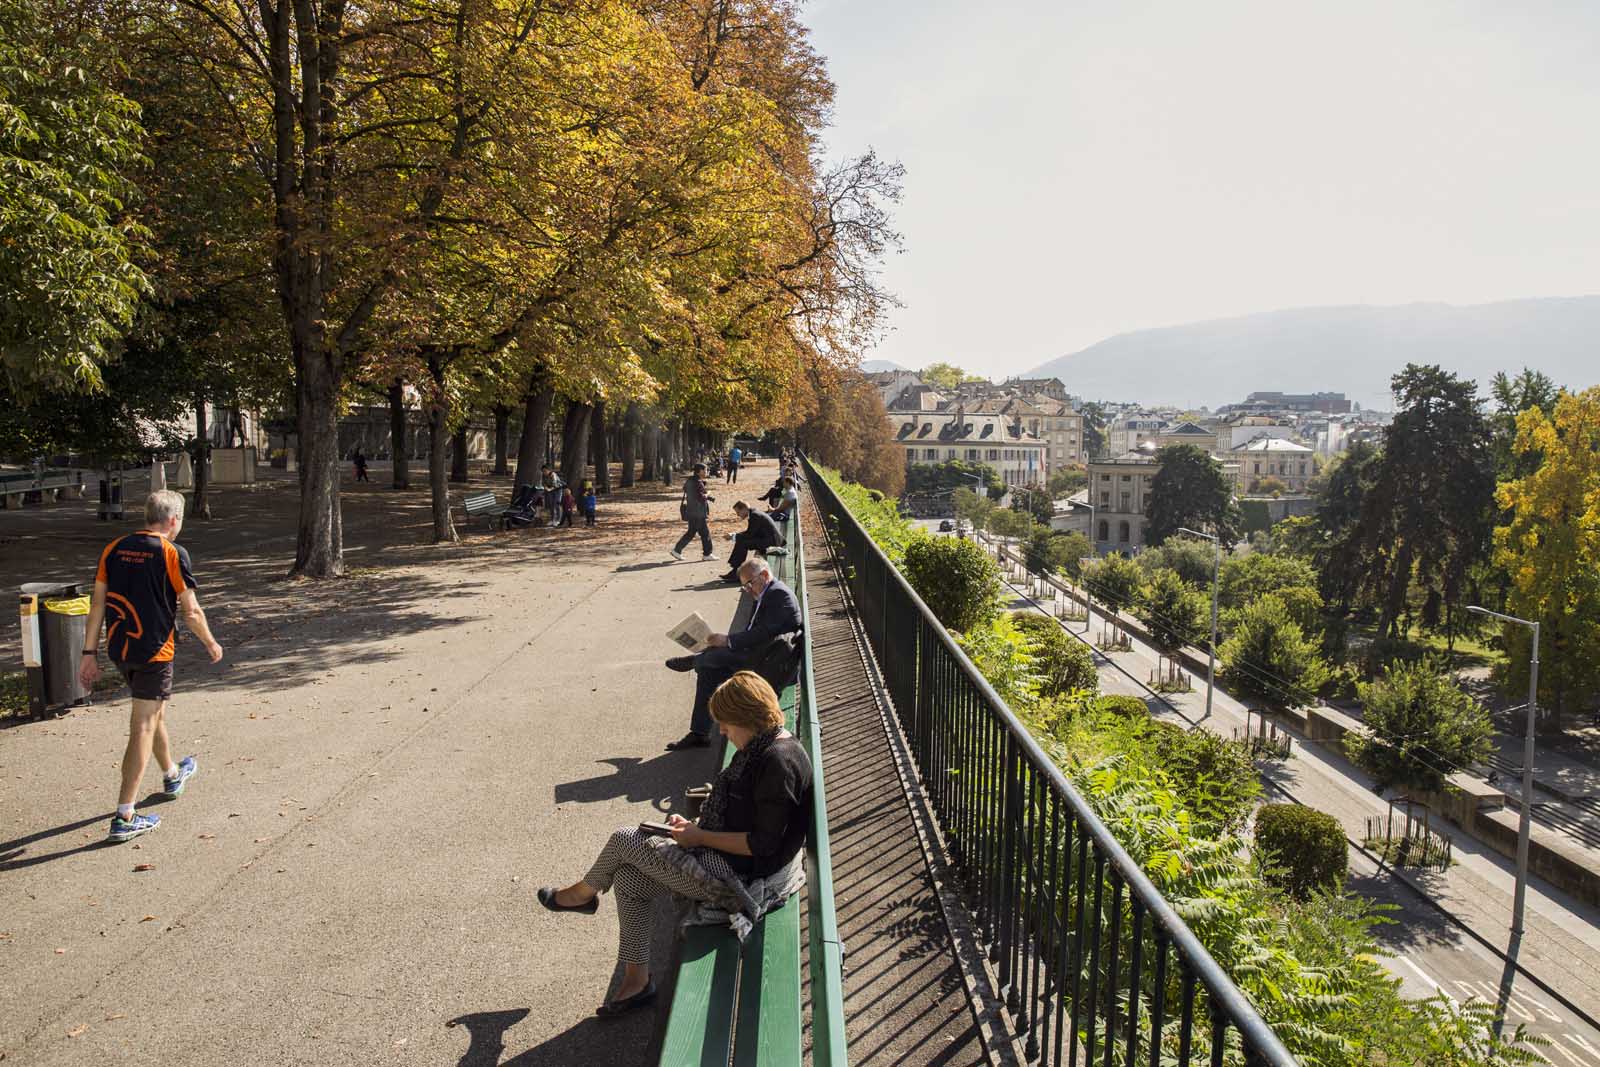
(761, 530)
(777, 613)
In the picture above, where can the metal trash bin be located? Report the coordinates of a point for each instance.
(55, 624)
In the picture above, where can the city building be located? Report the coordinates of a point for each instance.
(1127, 432)
(1327, 403)
(1052, 421)
(1117, 488)
(1273, 457)
(994, 439)
(1187, 433)
(1053, 388)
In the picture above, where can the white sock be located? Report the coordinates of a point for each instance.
(171, 772)
(124, 811)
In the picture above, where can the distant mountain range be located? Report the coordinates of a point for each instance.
(878, 366)
(1352, 350)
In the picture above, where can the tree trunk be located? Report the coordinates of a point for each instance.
(668, 452)
(650, 445)
(575, 443)
(502, 435)
(458, 455)
(201, 508)
(601, 444)
(438, 441)
(399, 440)
(630, 433)
(535, 414)
(319, 547)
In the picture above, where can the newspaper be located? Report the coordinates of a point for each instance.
(692, 633)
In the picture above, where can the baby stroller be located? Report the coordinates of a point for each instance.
(526, 508)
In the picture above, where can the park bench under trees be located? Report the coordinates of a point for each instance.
(745, 1007)
(484, 505)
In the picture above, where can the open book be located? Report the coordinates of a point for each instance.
(692, 633)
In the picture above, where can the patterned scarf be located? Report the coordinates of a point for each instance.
(714, 812)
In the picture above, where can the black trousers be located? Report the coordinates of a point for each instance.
(733, 472)
(696, 526)
(711, 668)
(743, 545)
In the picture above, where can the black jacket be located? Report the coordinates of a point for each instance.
(778, 612)
(771, 802)
(761, 531)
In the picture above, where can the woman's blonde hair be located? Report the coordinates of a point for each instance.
(747, 700)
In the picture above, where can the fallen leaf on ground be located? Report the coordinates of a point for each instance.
(77, 1031)
(207, 837)
(148, 918)
(61, 952)
(116, 1015)
(144, 867)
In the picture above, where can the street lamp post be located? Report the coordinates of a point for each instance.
(1211, 650)
(1088, 593)
(1524, 824)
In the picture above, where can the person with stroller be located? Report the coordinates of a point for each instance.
(550, 484)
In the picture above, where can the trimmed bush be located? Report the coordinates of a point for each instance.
(955, 578)
(1061, 662)
(1304, 848)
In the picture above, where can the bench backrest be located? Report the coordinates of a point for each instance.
(479, 501)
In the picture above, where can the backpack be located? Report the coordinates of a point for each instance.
(778, 661)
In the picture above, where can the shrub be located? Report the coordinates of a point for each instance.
(1174, 614)
(1062, 663)
(1304, 848)
(1212, 775)
(1125, 706)
(1268, 656)
(1000, 652)
(1193, 560)
(1421, 724)
(1114, 579)
(1050, 551)
(956, 579)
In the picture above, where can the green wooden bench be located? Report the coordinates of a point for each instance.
(746, 1008)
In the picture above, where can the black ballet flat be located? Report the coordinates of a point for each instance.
(612, 1008)
(547, 897)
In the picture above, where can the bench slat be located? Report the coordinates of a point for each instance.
(700, 1028)
(768, 1033)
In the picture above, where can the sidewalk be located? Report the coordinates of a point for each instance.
(389, 767)
(1562, 941)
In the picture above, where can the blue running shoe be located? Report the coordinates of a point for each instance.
(128, 829)
(172, 787)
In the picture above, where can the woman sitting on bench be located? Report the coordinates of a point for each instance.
(742, 855)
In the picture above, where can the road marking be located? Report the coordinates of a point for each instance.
(1437, 988)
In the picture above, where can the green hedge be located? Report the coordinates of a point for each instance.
(1304, 847)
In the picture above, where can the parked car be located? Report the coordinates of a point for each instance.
(946, 526)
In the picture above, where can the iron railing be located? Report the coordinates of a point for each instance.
(1093, 964)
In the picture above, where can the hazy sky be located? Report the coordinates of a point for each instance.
(1079, 168)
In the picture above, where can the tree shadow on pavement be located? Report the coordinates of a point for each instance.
(1413, 927)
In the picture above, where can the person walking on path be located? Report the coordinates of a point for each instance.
(360, 460)
(695, 509)
(733, 464)
(144, 580)
(759, 534)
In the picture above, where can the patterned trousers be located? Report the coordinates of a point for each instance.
(632, 866)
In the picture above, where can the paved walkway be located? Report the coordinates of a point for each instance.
(389, 766)
(1562, 943)
(904, 999)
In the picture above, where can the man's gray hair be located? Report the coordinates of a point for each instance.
(754, 565)
(161, 506)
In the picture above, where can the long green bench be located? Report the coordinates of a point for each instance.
(744, 1007)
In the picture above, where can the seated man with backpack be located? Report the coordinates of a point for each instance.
(769, 645)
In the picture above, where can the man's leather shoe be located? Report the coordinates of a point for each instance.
(689, 740)
(731, 578)
(681, 663)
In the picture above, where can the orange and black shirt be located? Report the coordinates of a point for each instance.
(144, 575)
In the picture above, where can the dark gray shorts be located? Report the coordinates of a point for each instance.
(149, 681)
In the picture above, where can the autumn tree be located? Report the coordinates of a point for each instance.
(850, 431)
(1550, 547)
